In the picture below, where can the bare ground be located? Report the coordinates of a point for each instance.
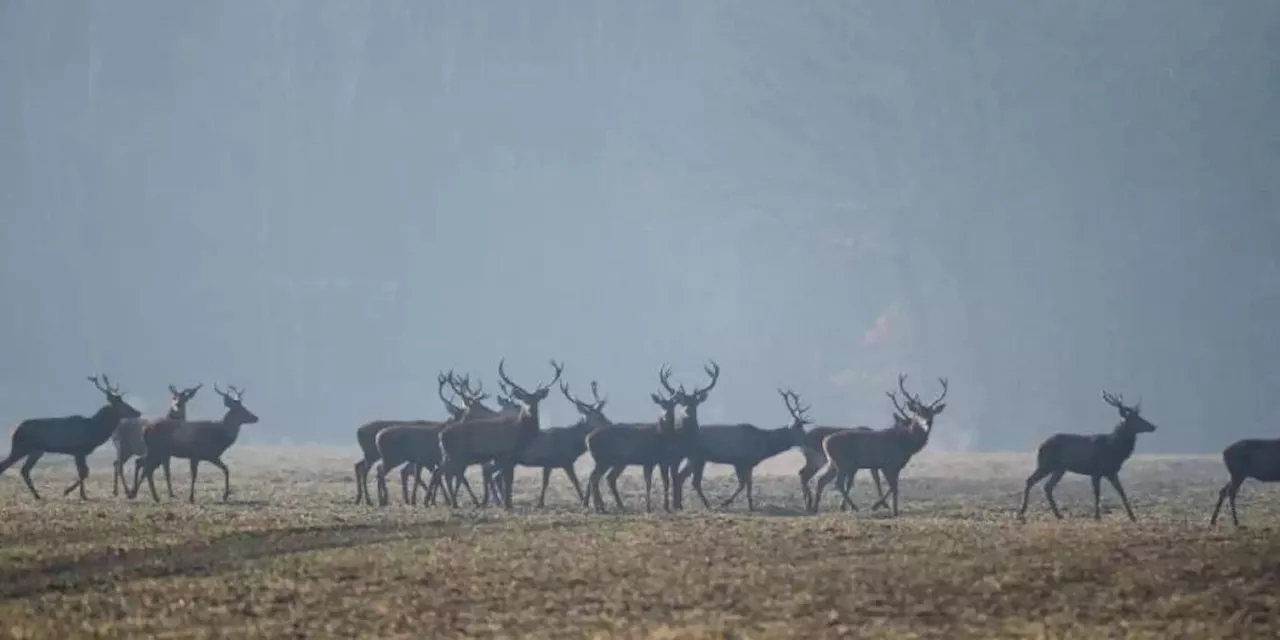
(291, 556)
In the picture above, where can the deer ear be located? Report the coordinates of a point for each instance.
(939, 408)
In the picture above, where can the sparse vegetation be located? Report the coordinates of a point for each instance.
(291, 555)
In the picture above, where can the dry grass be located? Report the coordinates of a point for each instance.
(293, 557)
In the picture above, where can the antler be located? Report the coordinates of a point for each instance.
(104, 385)
(239, 393)
(899, 411)
(441, 380)
(792, 400)
(595, 393)
(559, 367)
(174, 390)
(192, 391)
(503, 375)
(712, 370)
(664, 377)
(564, 389)
(1112, 399)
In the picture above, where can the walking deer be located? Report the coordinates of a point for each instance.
(196, 441)
(76, 436)
(499, 438)
(1252, 458)
(1097, 455)
(615, 446)
(744, 446)
(889, 450)
(128, 441)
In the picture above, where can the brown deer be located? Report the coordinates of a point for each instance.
(685, 444)
(499, 438)
(1097, 455)
(744, 446)
(128, 441)
(1251, 458)
(76, 436)
(195, 441)
(615, 446)
(889, 450)
(560, 447)
(815, 458)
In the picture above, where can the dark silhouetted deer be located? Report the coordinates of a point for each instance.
(1098, 456)
(1253, 458)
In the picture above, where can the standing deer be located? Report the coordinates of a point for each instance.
(76, 436)
(499, 438)
(889, 450)
(560, 447)
(815, 458)
(128, 441)
(615, 446)
(196, 441)
(686, 442)
(1252, 458)
(1098, 456)
(744, 446)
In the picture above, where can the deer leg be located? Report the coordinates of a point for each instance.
(751, 483)
(226, 478)
(406, 472)
(828, 474)
(194, 465)
(664, 473)
(573, 479)
(1033, 479)
(648, 488)
(742, 484)
(891, 478)
(546, 479)
(806, 474)
(149, 470)
(1115, 482)
(697, 483)
(875, 475)
(359, 468)
(593, 487)
(1222, 497)
(612, 479)
(1235, 490)
(82, 470)
(25, 471)
(1096, 481)
(508, 479)
(1048, 492)
(844, 483)
(437, 483)
(137, 477)
(380, 482)
(168, 484)
(117, 471)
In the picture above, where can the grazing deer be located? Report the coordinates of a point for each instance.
(76, 436)
(1252, 458)
(889, 450)
(499, 438)
(128, 441)
(685, 445)
(744, 446)
(1098, 456)
(615, 446)
(195, 441)
(560, 447)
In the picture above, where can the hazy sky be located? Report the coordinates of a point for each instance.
(329, 202)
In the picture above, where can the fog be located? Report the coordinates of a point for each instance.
(329, 202)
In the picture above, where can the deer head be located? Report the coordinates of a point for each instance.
(530, 400)
(927, 412)
(115, 398)
(667, 420)
(236, 411)
(691, 400)
(591, 412)
(1131, 420)
(462, 387)
(180, 397)
(902, 418)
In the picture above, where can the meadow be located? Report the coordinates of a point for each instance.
(290, 555)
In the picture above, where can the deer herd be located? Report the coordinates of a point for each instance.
(675, 443)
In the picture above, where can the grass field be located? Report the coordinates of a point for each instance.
(290, 556)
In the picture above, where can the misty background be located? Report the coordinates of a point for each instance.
(330, 202)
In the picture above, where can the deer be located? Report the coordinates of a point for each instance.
(76, 436)
(367, 433)
(815, 458)
(128, 441)
(195, 441)
(889, 450)
(1250, 458)
(615, 446)
(498, 438)
(1098, 456)
(686, 442)
(560, 447)
(744, 446)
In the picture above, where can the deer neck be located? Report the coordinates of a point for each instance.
(176, 413)
(107, 418)
(1124, 440)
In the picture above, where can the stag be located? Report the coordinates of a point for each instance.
(889, 450)
(499, 438)
(195, 441)
(615, 446)
(128, 441)
(1097, 455)
(815, 458)
(685, 444)
(76, 436)
(744, 446)
(560, 447)
(1253, 458)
